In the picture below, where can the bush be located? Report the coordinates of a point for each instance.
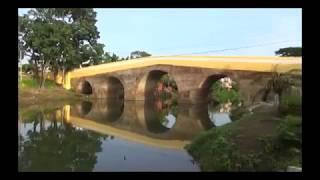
(223, 95)
(291, 104)
(290, 131)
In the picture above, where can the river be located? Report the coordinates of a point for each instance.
(107, 135)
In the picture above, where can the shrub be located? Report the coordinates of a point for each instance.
(291, 104)
(290, 131)
(222, 95)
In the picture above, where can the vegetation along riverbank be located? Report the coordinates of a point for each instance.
(267, 139)
(30, 94)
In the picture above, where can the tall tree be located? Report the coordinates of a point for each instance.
(41, 42)
(61, 39)
(289, 51)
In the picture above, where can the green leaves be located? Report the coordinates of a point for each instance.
(290, 130)
(61, 36)
(139, 54)
(289, 51)
(223, 95)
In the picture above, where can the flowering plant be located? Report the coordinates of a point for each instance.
(225, 90)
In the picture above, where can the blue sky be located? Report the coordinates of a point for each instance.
(164, 32)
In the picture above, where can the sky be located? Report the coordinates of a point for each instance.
(165, 32)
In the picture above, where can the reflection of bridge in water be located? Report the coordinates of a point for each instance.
(138, 121)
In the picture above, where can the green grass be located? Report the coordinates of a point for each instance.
(28, 82)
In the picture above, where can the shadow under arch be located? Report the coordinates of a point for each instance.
(114, 88)
(84, 87)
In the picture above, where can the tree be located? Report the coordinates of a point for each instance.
(139, 54)
(83, 47)
(114, 58)
(60, 39)
(289, 51)
(27, 67)
(21, 29)
(41, 43)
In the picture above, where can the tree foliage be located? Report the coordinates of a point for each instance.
(290, 51)
(60, 39)
(139, 54)
(222, 95)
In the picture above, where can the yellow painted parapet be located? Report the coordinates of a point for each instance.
(58, 78)
(67, 81)
(128, 135)
(66, 113)
(251, 63)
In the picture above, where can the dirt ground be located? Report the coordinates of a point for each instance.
(253, 127)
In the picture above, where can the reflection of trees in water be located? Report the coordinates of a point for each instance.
(168, 108)
(58, 147)
(234, 111)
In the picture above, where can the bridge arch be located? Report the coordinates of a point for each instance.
(114, 88)
(148, 83)
(84, 87)
(206, 84)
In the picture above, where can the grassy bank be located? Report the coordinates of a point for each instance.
(253, 143)
(30, 94)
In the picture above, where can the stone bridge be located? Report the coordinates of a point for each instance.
(135, 79)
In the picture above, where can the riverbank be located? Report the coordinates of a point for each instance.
(29, 94)
(252, 143)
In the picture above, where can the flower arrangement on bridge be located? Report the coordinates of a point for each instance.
(224, 91)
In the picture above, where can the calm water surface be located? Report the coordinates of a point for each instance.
(105, 135)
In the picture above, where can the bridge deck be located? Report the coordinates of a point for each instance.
(253, 63)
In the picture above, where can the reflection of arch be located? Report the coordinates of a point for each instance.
(86, 107)
(148, 83)
(153, 119)
(103, 110)
(84, 87)
(81, 109)
(206, 84)
(106, 110)
(197, 113)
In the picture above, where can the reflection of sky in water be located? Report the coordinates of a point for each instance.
(170, 121)
(219, 119)
(24, 127)
(122, 155)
